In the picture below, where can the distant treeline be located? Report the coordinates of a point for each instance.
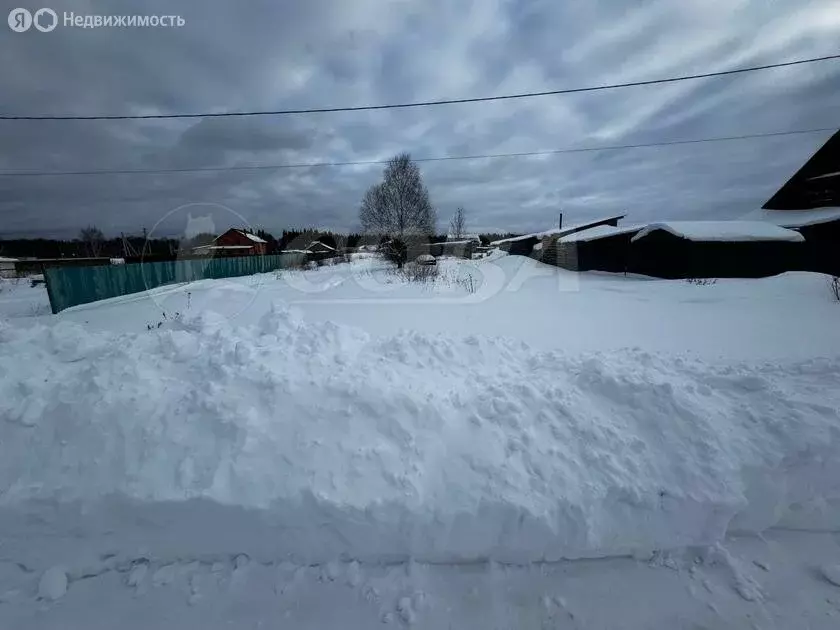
(168, 248)
(76, 248)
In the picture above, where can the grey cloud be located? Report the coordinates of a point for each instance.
(245, 134)
(273, 55)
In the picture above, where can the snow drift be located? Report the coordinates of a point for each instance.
(316, 441)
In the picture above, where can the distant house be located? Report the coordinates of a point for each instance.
(524, 245)
(475, 238)
(317, 247)
(233, 243)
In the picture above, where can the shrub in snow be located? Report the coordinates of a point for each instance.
(395, 251)
(419, 273)
(702, 282)
(166, 318)
(834, 285)
(467, 283)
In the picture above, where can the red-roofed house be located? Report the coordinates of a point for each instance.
(234, 243)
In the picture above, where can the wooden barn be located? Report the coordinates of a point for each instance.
(809, 202)
(233, 243)
(713, 249)
(601, 248)
(317, 247)
(524, 245)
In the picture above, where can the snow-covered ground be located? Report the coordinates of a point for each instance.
(18, 299)
(511, 445)
(790, 316)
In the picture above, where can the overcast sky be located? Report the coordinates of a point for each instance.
(319, 53)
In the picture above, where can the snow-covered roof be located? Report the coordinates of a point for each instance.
(248, 235)
(569, 229)
(463, 237)
(251, 237)
(7, 260)
(537, 235)
(723, 231)
(319, 243)
(295, 251)
(825, 175)
(795, 218)
(599, 231)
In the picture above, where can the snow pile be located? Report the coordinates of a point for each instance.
(724, 231)
(316, 441)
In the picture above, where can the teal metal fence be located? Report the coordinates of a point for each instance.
(71, 286)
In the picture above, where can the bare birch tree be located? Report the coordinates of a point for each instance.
(458, 224)
(399, 207)
(93, 239)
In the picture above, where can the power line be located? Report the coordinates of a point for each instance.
(482, 99)
(446, 158)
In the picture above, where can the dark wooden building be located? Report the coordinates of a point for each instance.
(798, 229)
(680, 249)
(317, 247)
(809, 202)
(714, 249)
(602, 248)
